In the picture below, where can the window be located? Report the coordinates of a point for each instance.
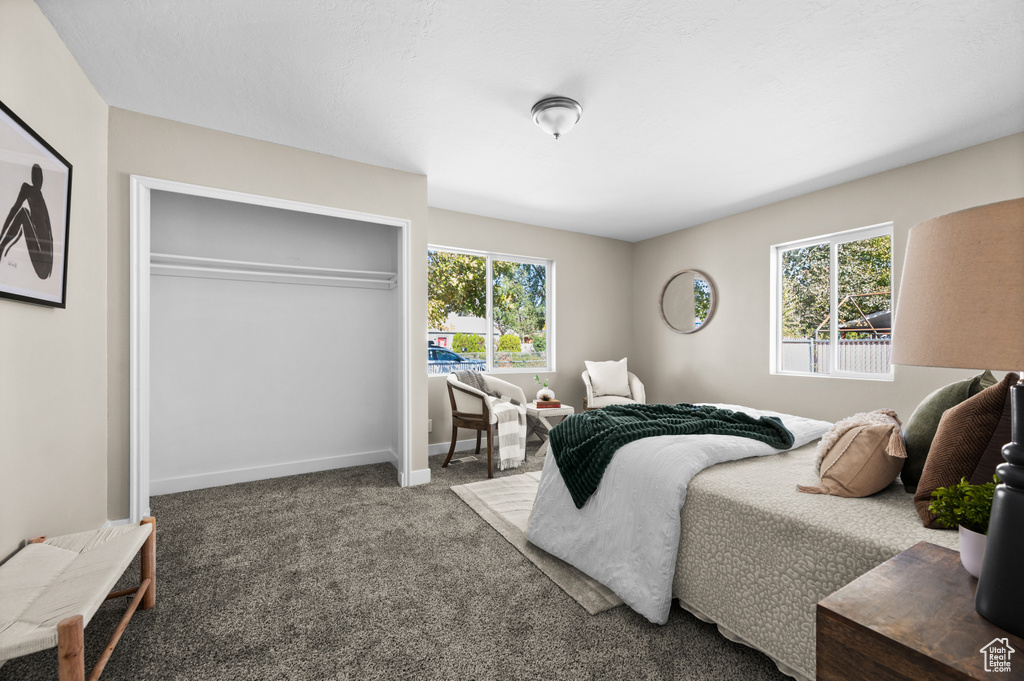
(834, 287)
(489, 312)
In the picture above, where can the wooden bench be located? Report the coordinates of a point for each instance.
(50, 590)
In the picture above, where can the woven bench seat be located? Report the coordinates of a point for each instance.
(52, 581)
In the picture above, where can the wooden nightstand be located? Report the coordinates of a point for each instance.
(912, 617)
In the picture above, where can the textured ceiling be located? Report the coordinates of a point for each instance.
(691, 110)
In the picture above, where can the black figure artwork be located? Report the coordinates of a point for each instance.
(30, 219)
(35, 207)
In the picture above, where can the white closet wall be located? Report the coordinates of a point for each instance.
(274, 342)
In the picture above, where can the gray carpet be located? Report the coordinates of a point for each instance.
(344, 575)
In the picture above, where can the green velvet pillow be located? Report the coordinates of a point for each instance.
(920, 429)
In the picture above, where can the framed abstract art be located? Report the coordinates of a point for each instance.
(35, 205)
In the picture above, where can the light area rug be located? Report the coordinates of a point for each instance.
(505, 504)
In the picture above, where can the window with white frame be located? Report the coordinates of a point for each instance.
(837, 288)
(489, 312)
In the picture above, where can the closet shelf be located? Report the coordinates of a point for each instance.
(168, 265)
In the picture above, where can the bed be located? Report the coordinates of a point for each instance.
(748, 552)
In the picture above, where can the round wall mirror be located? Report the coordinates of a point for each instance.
(687, 301)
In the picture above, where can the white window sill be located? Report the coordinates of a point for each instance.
(887, 378)
(533, 370)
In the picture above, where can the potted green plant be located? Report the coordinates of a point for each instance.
(545, 394)
(968, 507)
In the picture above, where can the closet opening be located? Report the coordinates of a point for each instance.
(268, 338)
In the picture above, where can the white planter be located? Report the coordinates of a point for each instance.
(972, 550)
(545, 395)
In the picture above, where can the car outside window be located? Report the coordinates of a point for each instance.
(495, 311)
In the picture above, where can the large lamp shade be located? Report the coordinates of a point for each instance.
(961, 304)
(961, 298)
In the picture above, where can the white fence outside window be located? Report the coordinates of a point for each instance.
(811, 356)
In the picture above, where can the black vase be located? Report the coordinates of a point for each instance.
(1000, 594)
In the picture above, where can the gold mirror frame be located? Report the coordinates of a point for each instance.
(711, 306)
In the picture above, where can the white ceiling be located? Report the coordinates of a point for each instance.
(692, 110)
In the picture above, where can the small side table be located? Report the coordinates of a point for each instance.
(913, 617)
(540, 416)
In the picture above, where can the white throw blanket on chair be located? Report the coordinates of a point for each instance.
(511, 433)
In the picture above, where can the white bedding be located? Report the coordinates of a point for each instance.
(627, 534)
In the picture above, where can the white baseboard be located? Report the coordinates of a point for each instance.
(115, 523)
(418, 477)
(442, 447)
(230, 477)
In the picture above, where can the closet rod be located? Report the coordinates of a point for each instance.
(166, 264)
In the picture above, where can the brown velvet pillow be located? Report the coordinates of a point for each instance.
(964, 432)
(864, 460)
(993, 454)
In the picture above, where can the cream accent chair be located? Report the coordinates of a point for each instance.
(636, 389)
(471, 409)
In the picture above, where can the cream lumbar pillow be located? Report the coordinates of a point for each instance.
(860, 455)
(609, 378)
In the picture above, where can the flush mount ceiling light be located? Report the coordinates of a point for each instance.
(557, 115)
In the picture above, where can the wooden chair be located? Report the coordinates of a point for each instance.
(471, 409)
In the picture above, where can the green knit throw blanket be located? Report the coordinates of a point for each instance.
(583, 445)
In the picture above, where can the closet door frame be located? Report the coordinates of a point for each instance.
(139, 322)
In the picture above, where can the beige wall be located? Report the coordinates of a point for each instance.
(594, 296)
(728, 361)
(53, 389)
(159, 148)
(64, 401)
